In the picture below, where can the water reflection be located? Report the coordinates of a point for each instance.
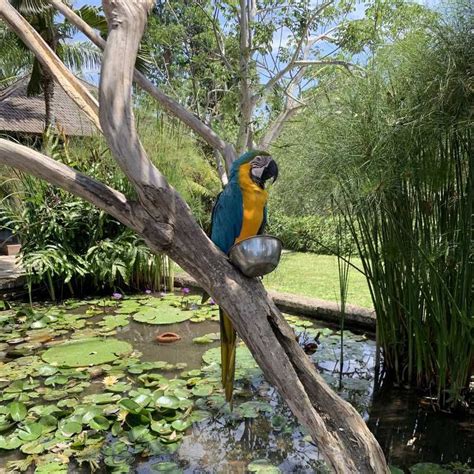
(410, 433)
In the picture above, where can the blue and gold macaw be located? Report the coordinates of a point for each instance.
(240, 212)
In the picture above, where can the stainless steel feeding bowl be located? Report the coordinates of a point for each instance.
(256, 256)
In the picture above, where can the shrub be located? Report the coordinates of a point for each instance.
(317, 234)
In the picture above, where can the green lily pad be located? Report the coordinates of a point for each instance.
(17, 411)
(70, 428)
(262, 466)
(86, 352)
(167, 402)
(33, 447)
(161, 313)
(113, 322)
(138, 433)
(166, 466)
(101, 398)
(30, 431)
(199, 415)
(10, 442)
(181, 425)
(49, 423)
(99, 422)
(51, 468)
(130, 406)
(47, 370)
(202, 390)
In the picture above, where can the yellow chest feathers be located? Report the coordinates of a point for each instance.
(254, 201)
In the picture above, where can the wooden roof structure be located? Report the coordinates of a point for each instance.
(26, 114)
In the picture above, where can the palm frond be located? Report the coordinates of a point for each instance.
(94, 17)
(31, 7)
(79, 54)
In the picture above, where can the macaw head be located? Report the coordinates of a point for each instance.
(262, 168)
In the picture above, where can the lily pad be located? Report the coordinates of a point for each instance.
(162, 313)
(167, 402)
(207, 338)
(181, 425)
(70, 428)
(113, 322)
(166, 466)
(202, 390)
(51, 468)
(17, 411)
(86, 352)
(8, 442)
(30, 431)
(262, 466)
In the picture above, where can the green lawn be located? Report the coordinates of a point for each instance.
(317, 276)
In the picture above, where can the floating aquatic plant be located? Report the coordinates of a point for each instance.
(86, 352)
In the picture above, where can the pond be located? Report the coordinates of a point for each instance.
(85, 386)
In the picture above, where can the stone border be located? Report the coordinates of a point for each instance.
(356, 316)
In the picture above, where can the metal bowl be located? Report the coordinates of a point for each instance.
(256, 256)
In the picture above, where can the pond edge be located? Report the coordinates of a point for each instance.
(356, 317)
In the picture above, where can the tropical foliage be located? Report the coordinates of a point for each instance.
(398, 143)
(72, 247)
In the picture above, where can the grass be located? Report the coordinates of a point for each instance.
(317, 276)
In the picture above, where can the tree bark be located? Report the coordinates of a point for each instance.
(165, 222)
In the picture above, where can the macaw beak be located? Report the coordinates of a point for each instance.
(264, 168)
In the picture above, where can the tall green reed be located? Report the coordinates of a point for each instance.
(408, 200)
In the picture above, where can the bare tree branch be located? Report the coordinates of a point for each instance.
(299, 47)
(41, 166)
(327, 62)
(170, 105)
(71, 85)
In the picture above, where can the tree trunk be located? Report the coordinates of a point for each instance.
(165, 222)
(48, 91)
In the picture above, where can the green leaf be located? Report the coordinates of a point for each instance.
(10, 442)
(51, 468)
(167, 402)
(17, 411)
(130, 406)
(161, 313)
(138, 433)
(30, 431)
(262, 466)
(70, 428)
(99, 423)
(202, 390)
(86, 352)
(166, 466)
(181, 425)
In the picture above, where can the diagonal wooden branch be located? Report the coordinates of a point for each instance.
(71, 85)
(327, 62)
(41, 166)
(170, 105)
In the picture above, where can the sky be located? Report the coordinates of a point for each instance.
(92, 75)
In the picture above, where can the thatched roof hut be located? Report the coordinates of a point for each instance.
(26, 114)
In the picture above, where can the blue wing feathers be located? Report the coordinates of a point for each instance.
(227, 217)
